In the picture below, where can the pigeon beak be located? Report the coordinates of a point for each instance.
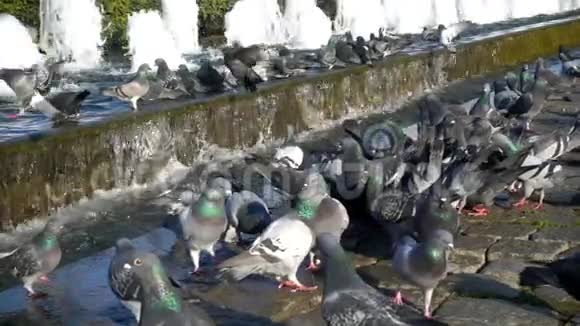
(127, 266)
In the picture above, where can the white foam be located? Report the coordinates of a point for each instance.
(72, 29)
(255, 22)
(150, 40)
(180, 17)
(18, 50)
(306, 25)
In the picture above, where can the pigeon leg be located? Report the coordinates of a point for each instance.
(313, 266)
(194, 254)
(44, 279)
(479, 210)
(295, 285)
(428, 296)
(512, 188)
(134, 103)
(398, 299)
(540, 204)
(521, 203)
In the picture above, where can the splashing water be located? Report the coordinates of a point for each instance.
(18, 50)
(150, 40)
(359, 19)
(71, 29)
(255, 22)
(306, 25)
(180, 17)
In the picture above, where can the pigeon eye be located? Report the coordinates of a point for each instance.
(138, 262)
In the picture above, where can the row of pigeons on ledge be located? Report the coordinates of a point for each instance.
(413, 184)
(31, 86)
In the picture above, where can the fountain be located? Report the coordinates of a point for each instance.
(255, 22)
(180, 17)
(71, 29)
(306, 25)
(18, 50)
(360, 20)
(149, 40)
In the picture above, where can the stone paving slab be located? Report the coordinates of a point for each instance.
(506, 270)
(568, 234)
(480, 286)
(472, 245)
(501, 231)
(493, 312)
(465, 263)
(527, 250)
(558, 299)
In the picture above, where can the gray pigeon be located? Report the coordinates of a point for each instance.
(327, 54)
(247, 213)
(123, 281)
(504, 97)
(527, 79)
(210, 77)
(483, 106)
(549, 76)
(424, 174)
(35, 259)
(245, 75)
(347, 300)
(278, 252)
(569, 66)
(543, 177)
(59, 106)
(161, 303)
(553, 145)
(346, 53)
(166, 76)
(434, 212)
(203, 223)
(350, 177)
(187, 79)
(530, 104)
(136, 88)
(422, 264)
(22, 82)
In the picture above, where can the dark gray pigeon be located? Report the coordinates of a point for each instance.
(161, 303)
(345, 52)
(250, 56)
(209, 77)
(34, 260)
(187, 79)
(530, 104)
(569, 67)
(247, 213)
(123, 281)
(347, 300)
(350, 175)
(278, 253)
(422, 264)
(133, 90)
(527, 79)
(434, 212)
(504, 97)
(245, 75)
(203, 223)
(327, 54)
(59, 106)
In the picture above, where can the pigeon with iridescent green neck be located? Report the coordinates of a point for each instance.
(33, 260)
(484, 105)
(421, 264)
(161, 303)
(123, 281)
(203, 223)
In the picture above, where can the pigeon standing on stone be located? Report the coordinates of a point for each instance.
(347, 300)
(245, 75)
(504, 97)
(137, 87)
(543, 177)
(60, 105)
(209, 77)
(166, 76)
(345, 52)
(187, 79)
(434, 212)
(161, 304)
(34, 260)
(530, 104)
(278, 252)
(527, 79)
(422, 264)
(203, 223)
(123, 281)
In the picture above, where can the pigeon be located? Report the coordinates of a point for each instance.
(422, 264)
(347, 300)
(553, 145)
(434, 212)
(326, 56)
(543, 177)
(187, 79)
(512, 81)
(161, 303)
(349, 176)
(362, 50)
(136, 88)
(247, 213)
(504, 97)
(346, 53)
(527, 79)
(385, 200)
(22, 82)
(34, 260)
(424, 174)
(203, 223)
(249, 56)
(549, 76)
(209, 77)
(432, 35)
(122, 281)
(530, 104)
(59, 106)
(277, 252)
(167, 77)
(377, 46)
(483, 106)
(569, 67)
(243, 73)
